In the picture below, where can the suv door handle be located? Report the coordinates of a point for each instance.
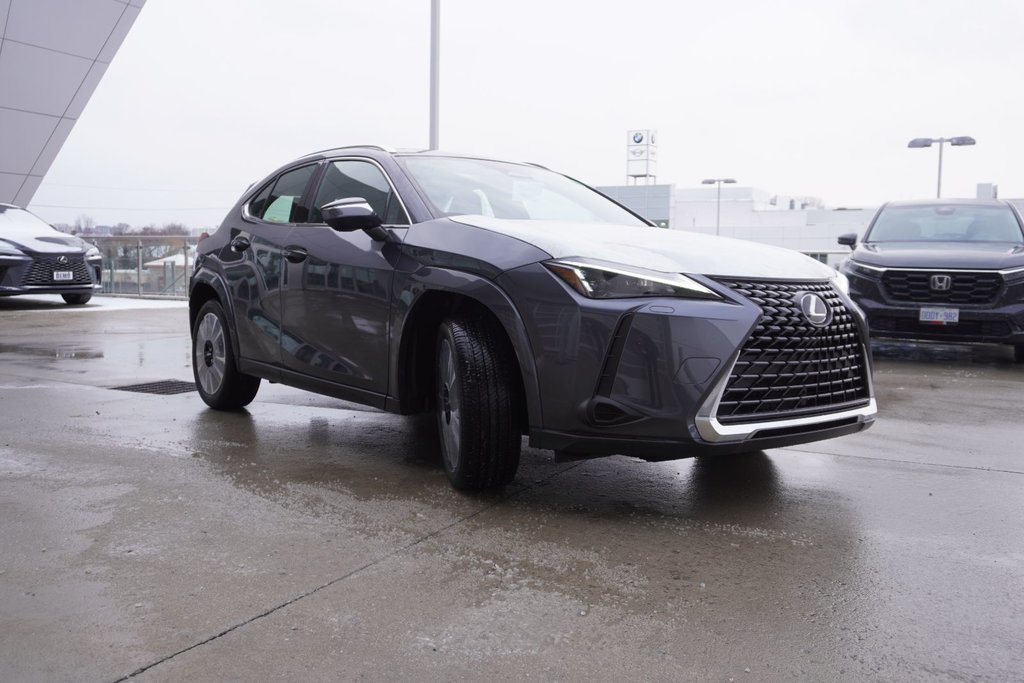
(295, 254)
(240, 244)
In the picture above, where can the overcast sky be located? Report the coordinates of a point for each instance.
(816, 97)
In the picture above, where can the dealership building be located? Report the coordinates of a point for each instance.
(53, 54)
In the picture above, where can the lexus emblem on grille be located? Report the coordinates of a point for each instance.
(63, 260)
(941, 283)
(814, 309)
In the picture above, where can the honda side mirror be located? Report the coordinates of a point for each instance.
(848, 240)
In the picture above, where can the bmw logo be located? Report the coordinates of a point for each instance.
(638, 137)
(814, 309)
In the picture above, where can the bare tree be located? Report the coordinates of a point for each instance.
(84, 224)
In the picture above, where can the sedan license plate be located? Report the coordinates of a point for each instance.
(63, 275)
(939, 316)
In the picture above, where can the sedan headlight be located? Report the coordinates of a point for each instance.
(611, 281)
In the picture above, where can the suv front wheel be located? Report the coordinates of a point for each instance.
(477, 407)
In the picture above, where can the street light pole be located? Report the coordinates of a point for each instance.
(960, 141)
(435, 68)
(718, 198)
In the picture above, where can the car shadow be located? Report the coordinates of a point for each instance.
(30, 303)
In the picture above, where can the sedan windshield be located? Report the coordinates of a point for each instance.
(459, 186)
(946, 223)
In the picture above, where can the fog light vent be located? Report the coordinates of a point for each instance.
(604, 412)
(164, 387)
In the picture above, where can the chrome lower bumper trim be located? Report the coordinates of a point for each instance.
(710, 429)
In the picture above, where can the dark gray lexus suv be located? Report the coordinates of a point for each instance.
(508, 300)
(942, 270)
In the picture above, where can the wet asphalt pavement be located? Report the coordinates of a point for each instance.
(145, 536)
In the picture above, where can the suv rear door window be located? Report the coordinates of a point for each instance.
(284, 203)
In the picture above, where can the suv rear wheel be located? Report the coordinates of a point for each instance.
(218, 380)
(477, 407)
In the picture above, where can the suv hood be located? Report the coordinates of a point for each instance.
(969, 255)
(668, 251)
(46, 244)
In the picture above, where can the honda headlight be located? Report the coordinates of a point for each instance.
(611, 281)
(851, 267)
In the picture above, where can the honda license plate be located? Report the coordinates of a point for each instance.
(63, 275)
(939, 316)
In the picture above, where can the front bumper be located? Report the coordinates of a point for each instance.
(32, 273)
(1000, 321)
(652, 379)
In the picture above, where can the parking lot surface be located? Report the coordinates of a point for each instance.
(146, 537)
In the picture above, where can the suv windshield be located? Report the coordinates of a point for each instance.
(16, 222)
(458, 186)
(946, 223)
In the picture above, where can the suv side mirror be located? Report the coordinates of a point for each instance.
(351, 214)
(848, 240)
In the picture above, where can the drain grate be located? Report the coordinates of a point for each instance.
(165, 387)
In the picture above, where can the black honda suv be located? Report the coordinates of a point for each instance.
(509, 299)
(941, 270)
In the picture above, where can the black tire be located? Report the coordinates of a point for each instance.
(76, 299)
(218, 380)
(477, 404)
(1018, 353)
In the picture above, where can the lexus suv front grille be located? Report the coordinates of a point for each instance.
(918, 286)
(789, 367)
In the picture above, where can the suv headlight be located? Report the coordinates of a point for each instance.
(92, 253)
(611, 281)
(841, 282)
(851, 267)
(9, 250)
(1013, 275)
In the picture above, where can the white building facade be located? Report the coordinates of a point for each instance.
(747, 213)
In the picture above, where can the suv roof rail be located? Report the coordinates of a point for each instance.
(382, 148)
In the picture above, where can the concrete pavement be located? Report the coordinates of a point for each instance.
(149, 538)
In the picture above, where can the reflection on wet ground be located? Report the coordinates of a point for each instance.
(935, 352)
(60, 352)
(305, 536)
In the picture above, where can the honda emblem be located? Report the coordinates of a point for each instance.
(941, 283)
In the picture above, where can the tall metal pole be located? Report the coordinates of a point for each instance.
(718, 208)
(435, 64)
(938, 191)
